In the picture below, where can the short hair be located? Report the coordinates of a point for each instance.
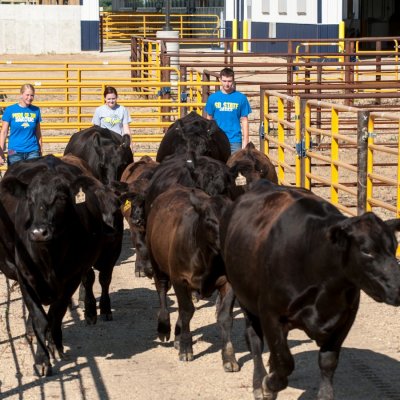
(110, 90)
(227, 72)
(27, 86)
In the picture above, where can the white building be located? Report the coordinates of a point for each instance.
(312, 19)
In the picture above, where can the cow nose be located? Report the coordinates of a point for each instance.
(39, 234)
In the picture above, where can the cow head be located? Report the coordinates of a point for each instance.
(251, 164)
(113, 156)
(97, 205)
(367, 246)
(43, 205)
(208, 221)
(211, 175)
(134, 203)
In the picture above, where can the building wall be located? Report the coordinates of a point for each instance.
(42, 29)
(284, 19)
(285, 11)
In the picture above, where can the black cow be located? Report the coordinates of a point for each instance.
(183, 241)
(57, 220)
(296, 262)
(189, 170)
(203, 172)
(137, 176)
(193, 133)
(247, 166)
(106, 152)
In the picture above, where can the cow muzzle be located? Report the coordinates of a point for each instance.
(40, 234)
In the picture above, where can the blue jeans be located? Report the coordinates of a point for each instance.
(235, 147)
(20, 156)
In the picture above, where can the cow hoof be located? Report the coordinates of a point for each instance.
(186, 357)
(164, 330)
(164, 336)
(91, 320)
(177, 344)
(231, 366)
(267, 393)
(43, 369)
(29, 337)
(139, 273)
(195, 296)
(106, 317)
(149, 272)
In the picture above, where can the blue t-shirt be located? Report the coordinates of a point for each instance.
(227, 109)
(23, 122)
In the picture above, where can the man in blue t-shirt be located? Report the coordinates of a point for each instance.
(230, 109)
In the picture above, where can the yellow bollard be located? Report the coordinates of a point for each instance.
(341, 36)
(245, 35)
(235, 33)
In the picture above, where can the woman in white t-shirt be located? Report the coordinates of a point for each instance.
(112, 115)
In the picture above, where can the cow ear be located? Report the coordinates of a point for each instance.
(126, 141)
(197, 203)
(393, 224)
(339, 236)
(14, 186)
(250, 146)
(118, 187)
(96, 140)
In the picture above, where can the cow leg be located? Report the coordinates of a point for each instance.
(186, 311)
(255, 343)
(281, 360)
(328, 357)
(55, 315)
(40, 325)
(105, 276)
(164, 323)
(87, 298)
(143, 265)
(30, 332)
(225, 322)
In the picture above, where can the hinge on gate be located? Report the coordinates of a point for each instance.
(301, 149)
(261, 131)
(184, 97)
(164, 90)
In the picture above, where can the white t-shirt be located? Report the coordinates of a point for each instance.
(111, 118)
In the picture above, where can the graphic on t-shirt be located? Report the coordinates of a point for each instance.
(112, 120)
(24, 118)
(226, 106)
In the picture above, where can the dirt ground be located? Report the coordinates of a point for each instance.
(123, 358)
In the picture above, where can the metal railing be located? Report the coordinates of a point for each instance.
(350, 157)
(120, 27)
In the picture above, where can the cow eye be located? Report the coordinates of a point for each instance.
(367, 253)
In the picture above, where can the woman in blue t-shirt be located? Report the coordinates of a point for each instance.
(23, 121)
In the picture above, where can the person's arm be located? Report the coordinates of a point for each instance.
(96, 117)
(245, 130)
(3, 136)
(39, 137)
(126, 129)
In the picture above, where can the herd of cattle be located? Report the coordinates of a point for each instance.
(201, 220)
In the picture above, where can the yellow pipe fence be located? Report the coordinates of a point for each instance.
(322, 156)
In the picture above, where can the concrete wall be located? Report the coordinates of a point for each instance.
(41, 29)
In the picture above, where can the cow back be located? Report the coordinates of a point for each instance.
(193, 133)
(106, 152)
